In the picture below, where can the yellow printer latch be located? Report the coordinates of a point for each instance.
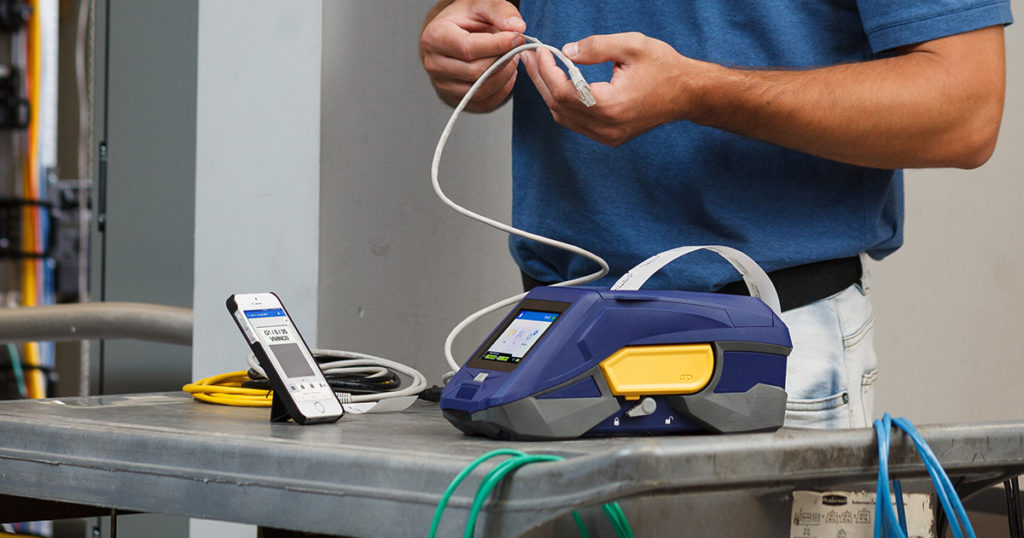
(636, 371)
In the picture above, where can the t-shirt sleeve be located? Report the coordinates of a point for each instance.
(895, 23)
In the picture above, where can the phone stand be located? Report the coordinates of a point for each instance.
(278, 412)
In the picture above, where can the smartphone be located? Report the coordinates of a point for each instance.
(299, 384)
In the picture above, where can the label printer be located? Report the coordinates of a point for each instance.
(574, 361)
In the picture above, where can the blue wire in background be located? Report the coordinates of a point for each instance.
(886, 522)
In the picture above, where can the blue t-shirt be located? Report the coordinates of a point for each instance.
(685, 184)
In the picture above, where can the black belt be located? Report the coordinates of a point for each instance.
(796, 286)
(805, 284)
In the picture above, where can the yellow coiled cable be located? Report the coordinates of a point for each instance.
(227, 389)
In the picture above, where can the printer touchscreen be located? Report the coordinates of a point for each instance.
(514, 339)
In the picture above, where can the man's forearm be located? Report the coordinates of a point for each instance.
(937, 104)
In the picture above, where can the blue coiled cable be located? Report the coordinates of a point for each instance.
(887, 524)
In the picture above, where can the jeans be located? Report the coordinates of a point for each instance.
(832, 369)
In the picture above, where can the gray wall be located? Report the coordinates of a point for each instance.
(257, 173)
(257, 168)
(398, 270)
(950, 303)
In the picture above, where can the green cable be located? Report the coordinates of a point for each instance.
(624, 520)
(19, 375)
(580, 525)
(458, 480)
(612, 510)
(493, 478)
(614, 513)
(614, 518)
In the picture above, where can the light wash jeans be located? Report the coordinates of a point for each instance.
(831, 371)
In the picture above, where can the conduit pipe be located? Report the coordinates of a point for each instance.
(97, 321)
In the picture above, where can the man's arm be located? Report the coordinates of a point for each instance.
(461, 39)
(938, 103)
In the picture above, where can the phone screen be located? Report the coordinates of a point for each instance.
(275, 331)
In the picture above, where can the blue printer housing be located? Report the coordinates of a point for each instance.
(558, 389)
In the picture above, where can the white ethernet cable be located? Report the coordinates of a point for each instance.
(351, 362)
(574, 72)
(585, 96)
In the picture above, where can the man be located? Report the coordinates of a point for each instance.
(774, 127)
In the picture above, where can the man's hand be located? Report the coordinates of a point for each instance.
(463, 38)
(648, 86)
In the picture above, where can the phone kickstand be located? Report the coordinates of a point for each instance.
(278, 412)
